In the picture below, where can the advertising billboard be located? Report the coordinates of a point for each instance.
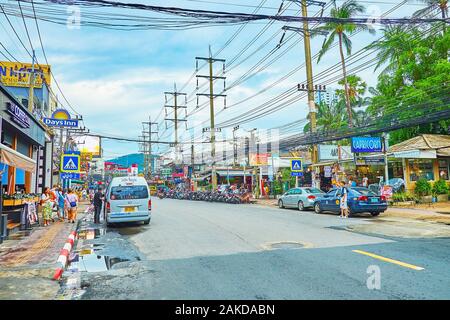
(331, 152)
(259, 159)
(17, 74)
(88, 144)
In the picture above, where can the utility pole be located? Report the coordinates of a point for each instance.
(309, 73)
(212, 96)
(235, 147)
(31, 90)
(176, 106)
(147, 145)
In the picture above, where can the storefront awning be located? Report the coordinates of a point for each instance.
(15, 159)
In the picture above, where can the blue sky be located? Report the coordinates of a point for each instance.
(116, 79)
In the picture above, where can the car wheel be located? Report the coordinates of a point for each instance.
(317, 208)
(374, 214)
(147, 221)
(301, 206)
(280, 204)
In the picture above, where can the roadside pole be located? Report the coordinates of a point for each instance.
(31, 89)
(385, 147)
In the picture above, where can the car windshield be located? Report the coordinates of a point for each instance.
(313, 190)
(129, 192)
(363, 191)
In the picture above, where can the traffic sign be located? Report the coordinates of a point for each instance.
(296, 165)
(66, 176)
(70, 163)
(296, 174)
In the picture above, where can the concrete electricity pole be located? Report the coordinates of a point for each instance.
(176, 106)
(147, 146)
(31, 90)
(309, 73)
(212, 96)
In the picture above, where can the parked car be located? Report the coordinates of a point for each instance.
(360, 200)
(127, 200)
(300, 198)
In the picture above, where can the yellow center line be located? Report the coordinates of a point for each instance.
(403, 264)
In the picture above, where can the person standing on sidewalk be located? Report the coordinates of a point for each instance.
(47, 206)
(98, 202)
(343, 201)
(73, 205)
(61, 204)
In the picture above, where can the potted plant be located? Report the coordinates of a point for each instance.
(404, 199)
(440, 190)
(423, 189)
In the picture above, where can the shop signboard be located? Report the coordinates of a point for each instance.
(60, 118)
(365, 161)
(166, 171)
(18, 115)
(331, 152)
(367, 144)
(259, 159)
(17, 74)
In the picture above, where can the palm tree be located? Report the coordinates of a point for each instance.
(432, 5)
(349, 9)
(391, 46)
(329, 117)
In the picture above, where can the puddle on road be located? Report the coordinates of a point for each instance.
(87, 260)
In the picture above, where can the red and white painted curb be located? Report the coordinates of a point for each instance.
(64, 255)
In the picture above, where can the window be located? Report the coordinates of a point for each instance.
(421, 168)
(313, 190)
(129, 192)
(443, 168)
(297, 191)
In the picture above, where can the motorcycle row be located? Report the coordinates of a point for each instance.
(210, 196)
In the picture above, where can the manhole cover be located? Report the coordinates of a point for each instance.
(286, 245)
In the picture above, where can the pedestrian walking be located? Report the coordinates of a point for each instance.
(344, 201)
(98, 202)
(72, 198)
(47, 206)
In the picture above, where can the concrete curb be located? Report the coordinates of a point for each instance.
(64, 255)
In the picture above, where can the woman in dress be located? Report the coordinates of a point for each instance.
(47, 206)
(72, 198)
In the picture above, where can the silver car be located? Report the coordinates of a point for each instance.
(300, 198)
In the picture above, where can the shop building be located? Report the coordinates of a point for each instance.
(23, 154)
(425, 156)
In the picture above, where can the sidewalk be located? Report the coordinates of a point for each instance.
(28, 260)
(437, 212)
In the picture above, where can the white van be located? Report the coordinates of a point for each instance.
(127, 199)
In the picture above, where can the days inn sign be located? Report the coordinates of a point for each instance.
(60, 118)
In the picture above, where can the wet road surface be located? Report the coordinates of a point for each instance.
(198, 250)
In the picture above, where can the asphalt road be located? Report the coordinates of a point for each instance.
(198, 250)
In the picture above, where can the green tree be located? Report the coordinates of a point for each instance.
(396, 41)
(342, 30)
(416, 87)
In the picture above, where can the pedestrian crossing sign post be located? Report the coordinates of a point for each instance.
(70, 163)
(296, 165)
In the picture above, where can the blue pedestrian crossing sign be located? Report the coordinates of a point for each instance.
(296, 165)
(70, 163)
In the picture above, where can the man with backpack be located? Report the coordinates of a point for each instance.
(343, 203)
